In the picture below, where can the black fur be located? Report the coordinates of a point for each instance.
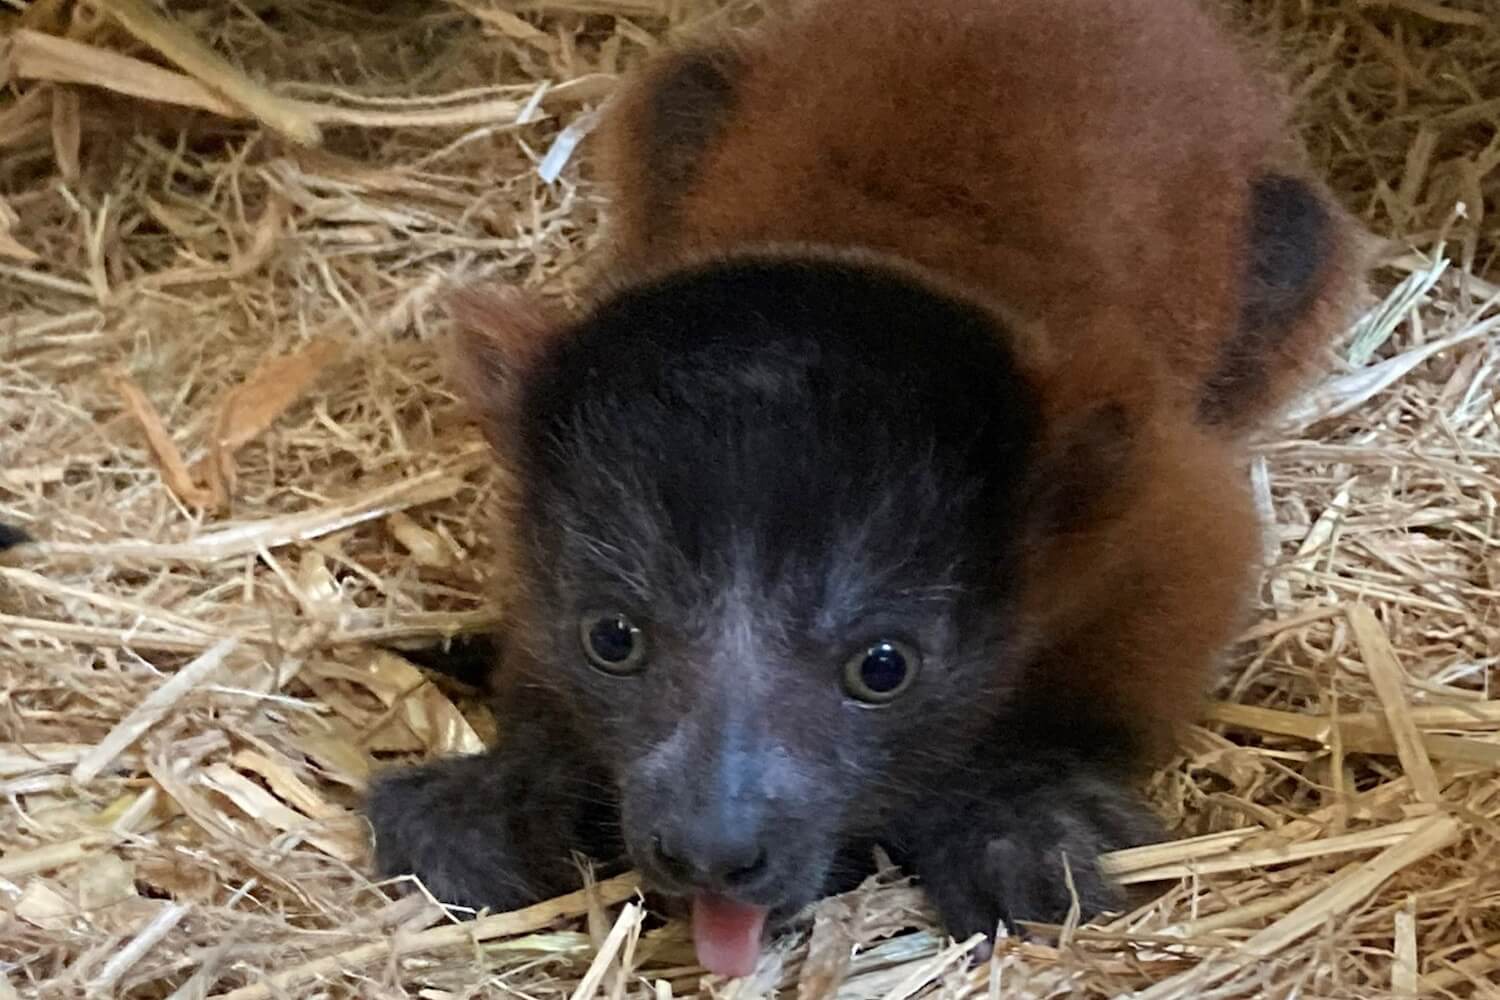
(468, 659)
(499, 829)
(11, 536)
(692, 99)
(786, 403)
(1290, 231)
(767, 465)
(995, 850)
(1289, 245)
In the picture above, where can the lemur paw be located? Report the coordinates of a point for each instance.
(1003, 860)
(448, 824)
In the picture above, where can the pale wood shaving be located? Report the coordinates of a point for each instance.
(173, 468)
(256, 802)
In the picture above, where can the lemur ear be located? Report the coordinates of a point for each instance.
(665, 123)
(1294, 280)
(500, 333)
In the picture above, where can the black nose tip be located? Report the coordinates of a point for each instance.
(727, 865)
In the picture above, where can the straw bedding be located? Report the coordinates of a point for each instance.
(221, 236)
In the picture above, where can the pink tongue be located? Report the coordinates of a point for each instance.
(727, 934)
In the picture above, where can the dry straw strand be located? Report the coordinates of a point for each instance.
(152, 708)
(209, 68)
(1390, 686)
(438, 938)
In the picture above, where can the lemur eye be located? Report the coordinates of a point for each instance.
(612, 642)
(879, 673)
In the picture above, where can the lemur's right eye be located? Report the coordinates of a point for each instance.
(612, 642)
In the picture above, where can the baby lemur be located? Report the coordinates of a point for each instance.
(891, 489)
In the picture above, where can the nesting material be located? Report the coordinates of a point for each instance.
(223, 227)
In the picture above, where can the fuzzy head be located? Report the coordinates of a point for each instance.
(770, 526)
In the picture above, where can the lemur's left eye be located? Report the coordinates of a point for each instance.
(612, 642)
(880, 672)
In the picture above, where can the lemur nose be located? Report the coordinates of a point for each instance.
(709, 861)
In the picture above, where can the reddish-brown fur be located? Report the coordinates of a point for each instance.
(1083, 163)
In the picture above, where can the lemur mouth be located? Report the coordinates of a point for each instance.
(727, 934)
(729, 923)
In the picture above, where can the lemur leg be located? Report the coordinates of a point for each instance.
(495, 830)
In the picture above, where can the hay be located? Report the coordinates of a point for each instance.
(220, 238)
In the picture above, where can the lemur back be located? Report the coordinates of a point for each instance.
(1114, 172)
